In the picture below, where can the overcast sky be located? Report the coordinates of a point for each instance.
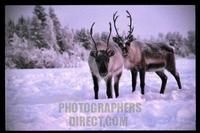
(148, 20)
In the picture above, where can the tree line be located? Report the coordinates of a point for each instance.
(41, 41)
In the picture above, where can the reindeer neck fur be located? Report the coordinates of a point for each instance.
(116, 61)
(134, 57)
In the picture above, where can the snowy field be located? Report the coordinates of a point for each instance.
(33, 98)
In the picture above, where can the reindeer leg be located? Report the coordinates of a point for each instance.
(116, 84)
(163, 77)
(134, 79)
(172, 69)
(109, 87)
(142, 80)
(177, 77)
(96, 86)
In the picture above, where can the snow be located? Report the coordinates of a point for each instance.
(33, 97)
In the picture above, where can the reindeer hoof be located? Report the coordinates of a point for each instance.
(162, 92)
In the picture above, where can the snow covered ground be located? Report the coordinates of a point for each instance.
(33, 98)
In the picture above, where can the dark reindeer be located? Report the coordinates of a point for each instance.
(142, 57)
(105, 61)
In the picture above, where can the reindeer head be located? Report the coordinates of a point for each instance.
(123, 42)
(102, 57)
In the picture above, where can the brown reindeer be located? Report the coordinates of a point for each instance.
(105, 61)
(142, 57)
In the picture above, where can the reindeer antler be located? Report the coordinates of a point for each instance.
(114, 20)
(110, 29)
(130, 25)
(91, 31)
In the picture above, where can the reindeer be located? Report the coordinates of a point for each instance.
(144, 57)
(105, 61)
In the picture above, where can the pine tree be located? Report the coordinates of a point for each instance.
(84, 37)
(39, 11)
(81, 35)
(104, 36)
(191, 41)
(160, 37)
(58, 31)
(9, 32)
(40, 28)
(67, 37)
(22, 28)
(35, 31)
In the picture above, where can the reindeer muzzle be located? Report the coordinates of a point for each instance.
(124, 52)
(103, 74)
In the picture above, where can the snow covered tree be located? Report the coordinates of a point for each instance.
(35, 29)
(40, 41)
(39, 11)
(22, 28)
(36, 33)
(169, 36)
(152, 39)
(96, 37)
(58, 31)
(67, 37)
(191, 41)
(83, 36)
(160, 37)
(104, 36)
(9, 32)
(40, 28)
(17, 54)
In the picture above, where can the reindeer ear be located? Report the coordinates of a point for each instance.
(130, 39)
(115, 39)
(110, 52)
(93, 53)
